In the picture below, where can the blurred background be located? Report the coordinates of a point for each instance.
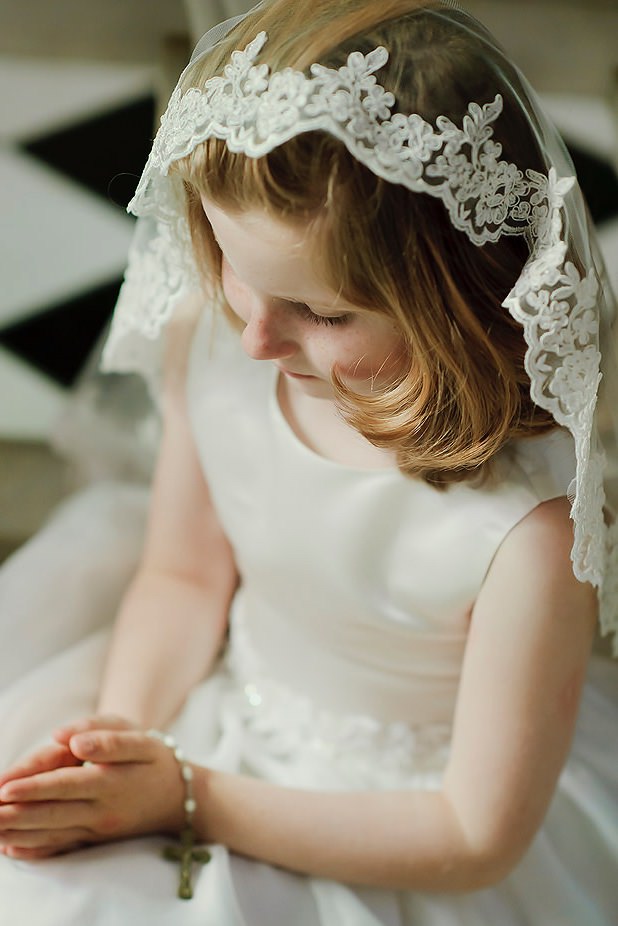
(81, 85)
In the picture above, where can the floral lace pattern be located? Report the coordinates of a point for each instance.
(160, 273)
(559, 313)
(360, 748)
(255, 110)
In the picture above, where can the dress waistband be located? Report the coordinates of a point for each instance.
(358, 749)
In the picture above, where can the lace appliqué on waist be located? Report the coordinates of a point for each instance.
(361, 750)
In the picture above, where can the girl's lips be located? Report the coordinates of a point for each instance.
(296, 375)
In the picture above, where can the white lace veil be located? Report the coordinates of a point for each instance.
(562, 298)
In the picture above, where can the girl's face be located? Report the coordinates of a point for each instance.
(291, 317)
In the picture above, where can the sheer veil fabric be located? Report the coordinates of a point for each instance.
(562, 298)
(350, 685)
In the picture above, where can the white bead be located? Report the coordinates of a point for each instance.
(253, 696)
(189, 803)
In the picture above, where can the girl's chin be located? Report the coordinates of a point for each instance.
(309, 385)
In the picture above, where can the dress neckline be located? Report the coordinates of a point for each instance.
(308, 452)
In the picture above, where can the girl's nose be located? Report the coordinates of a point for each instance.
(266, 335)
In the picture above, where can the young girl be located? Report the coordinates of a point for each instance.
(403, 514)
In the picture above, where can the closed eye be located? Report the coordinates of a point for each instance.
(303, 309)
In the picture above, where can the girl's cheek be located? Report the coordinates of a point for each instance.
(233, 293)
(374, 364)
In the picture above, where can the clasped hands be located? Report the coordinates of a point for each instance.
(101, 779)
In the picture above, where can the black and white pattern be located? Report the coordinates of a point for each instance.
(73, 140)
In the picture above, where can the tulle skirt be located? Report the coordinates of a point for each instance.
(58, 596)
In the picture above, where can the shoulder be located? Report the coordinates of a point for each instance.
(525, 503)
(532, 568)
(546, 529)
(543, 538)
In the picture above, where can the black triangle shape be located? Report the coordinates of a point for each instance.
(59, 340)
(599, 183)
(106, 153)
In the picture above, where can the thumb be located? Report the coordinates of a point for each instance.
(98, 722)
(113, 746)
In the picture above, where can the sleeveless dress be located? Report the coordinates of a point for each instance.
(346, 643)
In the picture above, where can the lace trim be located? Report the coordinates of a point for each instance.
(159, 275)
(486, 197)
(255, 111)
(559, 312)
(357, 746)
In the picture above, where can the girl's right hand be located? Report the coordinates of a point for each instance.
(45, 759)
(129, 786)
(58, 754)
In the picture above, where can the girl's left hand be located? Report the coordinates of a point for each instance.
(130, 786)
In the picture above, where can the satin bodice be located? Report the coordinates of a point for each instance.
(356, 585)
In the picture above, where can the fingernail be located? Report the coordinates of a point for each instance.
(85, 744)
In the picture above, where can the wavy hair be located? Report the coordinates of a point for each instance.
(465, 392)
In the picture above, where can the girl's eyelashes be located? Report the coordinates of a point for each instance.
(311, 316)
(301, 307)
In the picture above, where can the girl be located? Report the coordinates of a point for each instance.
(384, 510)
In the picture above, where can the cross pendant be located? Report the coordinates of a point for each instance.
(187, 855)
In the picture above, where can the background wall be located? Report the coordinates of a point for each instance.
(558, 43)
(80, 81)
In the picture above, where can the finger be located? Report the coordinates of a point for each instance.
(97, 722)
(35, 855)
(42, 815)
(44, 839)
(43, 760)
(111, 746)
(68, 783)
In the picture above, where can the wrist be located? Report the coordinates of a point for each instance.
(208, 785)
(182, 804)
(187, 853)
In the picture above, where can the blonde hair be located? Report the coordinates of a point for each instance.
(466, 392)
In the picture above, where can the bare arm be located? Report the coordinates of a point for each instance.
(173, 617)
(531, 633)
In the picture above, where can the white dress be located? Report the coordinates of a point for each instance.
(346, 645)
